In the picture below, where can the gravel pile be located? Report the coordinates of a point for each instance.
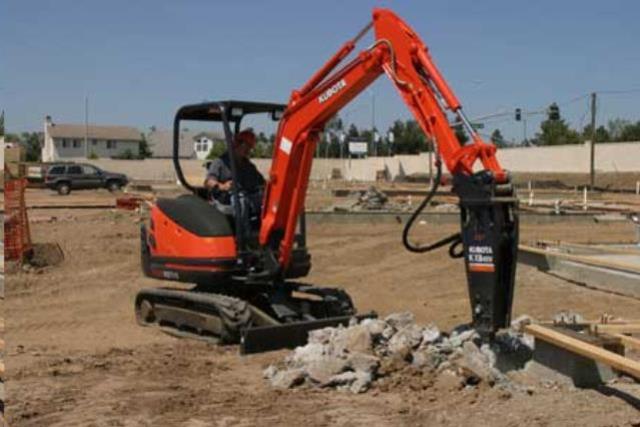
(353, 358)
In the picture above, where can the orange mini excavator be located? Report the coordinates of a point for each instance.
(244, 267)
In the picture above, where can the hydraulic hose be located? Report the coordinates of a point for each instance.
(454, 239)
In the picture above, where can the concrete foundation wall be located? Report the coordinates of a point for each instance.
(613, 157)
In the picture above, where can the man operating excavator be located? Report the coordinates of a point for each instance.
(219, 180)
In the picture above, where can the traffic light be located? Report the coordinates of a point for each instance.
(518, 114)
(554, 112)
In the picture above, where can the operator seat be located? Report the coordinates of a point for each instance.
(197, 216)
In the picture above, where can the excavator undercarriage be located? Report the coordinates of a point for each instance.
(243, 315)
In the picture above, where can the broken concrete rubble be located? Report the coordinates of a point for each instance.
(353, 358)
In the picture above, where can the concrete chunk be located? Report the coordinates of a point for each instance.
(400, 320)
(355, 339)
(362, 382)
(429, 358)
(375, 327)
(344, 379)
(288, 378)
(322, 369)
(306, 354)
(363, 362)
(457, 339)
(321, 336)
(476, 366)
(430, 335)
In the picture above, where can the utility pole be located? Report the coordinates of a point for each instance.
(373, 123)
(326, 147)
(524, 127)
(592, 169)
(86, 127)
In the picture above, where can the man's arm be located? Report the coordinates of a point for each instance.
(213, 179)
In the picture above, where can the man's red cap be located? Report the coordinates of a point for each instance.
(246, 137)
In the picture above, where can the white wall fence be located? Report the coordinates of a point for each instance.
(611, 157)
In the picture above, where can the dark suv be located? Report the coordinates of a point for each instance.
(67, 177)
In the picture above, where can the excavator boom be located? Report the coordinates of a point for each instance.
(489, 222)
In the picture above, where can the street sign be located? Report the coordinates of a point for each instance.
(358, 147)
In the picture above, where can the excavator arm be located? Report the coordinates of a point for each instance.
(489, 226)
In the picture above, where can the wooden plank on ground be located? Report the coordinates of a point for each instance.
(590, 351)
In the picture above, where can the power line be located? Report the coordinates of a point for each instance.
(616, 92)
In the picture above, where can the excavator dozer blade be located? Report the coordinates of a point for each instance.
(289, 335)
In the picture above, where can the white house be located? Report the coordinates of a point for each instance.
(205, 141)
(192, 145)
(67, 141)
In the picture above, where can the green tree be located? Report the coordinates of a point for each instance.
(602, 134)
(32, 143)
(144, 151)
(408, 137)
(263, 149)
(329, 143)
(262, 137)
(2, 123)
(556, 132)
(615, 128)
(497, 139)
(631, 132)
(353, 131)
(217, 150)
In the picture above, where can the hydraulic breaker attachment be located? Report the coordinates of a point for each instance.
(489, 220)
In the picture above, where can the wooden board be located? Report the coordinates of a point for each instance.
(628, 366)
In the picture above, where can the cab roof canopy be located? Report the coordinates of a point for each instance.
(211, 111)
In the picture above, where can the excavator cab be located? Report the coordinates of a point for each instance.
(189, 239)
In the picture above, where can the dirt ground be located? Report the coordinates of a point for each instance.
(75, 355)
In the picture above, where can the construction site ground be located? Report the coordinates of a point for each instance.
(75, 355)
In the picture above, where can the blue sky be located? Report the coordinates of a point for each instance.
(139, 60)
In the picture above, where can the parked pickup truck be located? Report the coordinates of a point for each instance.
(65, 177)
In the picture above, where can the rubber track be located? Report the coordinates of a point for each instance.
(234, 313)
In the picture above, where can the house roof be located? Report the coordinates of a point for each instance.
(122, 133)
(161, 143)
(214, 136)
